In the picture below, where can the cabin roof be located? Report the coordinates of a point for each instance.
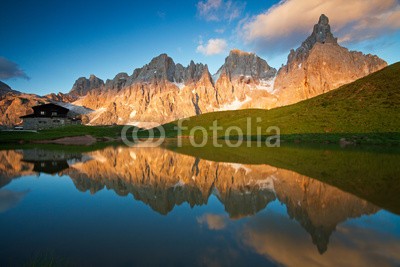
(50, 106)
(28, 116)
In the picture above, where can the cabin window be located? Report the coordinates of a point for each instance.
(54, 113)
(56, 121)
(42, 113)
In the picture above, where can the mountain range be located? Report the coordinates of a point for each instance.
(163, 91)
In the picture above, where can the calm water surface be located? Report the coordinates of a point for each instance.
(121, 206)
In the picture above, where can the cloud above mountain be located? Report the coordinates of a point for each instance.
(212, 47)
(218, 10)
(287, 23)
(9, 69)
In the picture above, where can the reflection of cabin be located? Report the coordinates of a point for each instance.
(49, 116)
(49, 167)
(49, 161)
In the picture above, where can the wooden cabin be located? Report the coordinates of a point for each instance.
(49, 116)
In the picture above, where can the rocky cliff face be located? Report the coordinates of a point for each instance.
(246, 67)
(319, 65)
(245, 81)
(83, 85)
(60, 97)
(163, 91)
(117, 83)
(158, 92)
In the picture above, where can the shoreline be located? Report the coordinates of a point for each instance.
(343, 139)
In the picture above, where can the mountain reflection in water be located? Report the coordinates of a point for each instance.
(163, 179)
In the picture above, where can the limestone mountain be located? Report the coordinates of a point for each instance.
(83, 85)
(162, 91)
(246, 67)
(245, 80)
(60, 97)
(319, 65)
(159, 91)
(117, 83)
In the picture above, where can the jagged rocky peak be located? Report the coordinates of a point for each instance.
(160, 68)
(164, 68)
(321, 34)
(83, 85)
(118, 82)
(243, 64)
(319, 65)
(192, 73)
(60, 97)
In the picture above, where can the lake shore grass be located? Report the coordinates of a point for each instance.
(107, 134)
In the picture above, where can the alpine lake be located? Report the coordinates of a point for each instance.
(297, 205)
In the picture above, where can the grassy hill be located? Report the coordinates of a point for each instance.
(366, 108)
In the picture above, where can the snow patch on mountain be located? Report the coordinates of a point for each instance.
(267, 85)
(133, 114)
(237, 104)
(179, 85)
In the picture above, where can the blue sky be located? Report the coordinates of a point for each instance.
(55, 42)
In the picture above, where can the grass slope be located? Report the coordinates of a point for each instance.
(367, 106)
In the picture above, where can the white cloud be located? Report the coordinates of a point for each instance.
(213, 47)
(217, 10)
(286, 24)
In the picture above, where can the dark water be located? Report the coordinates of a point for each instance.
(123, 206)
